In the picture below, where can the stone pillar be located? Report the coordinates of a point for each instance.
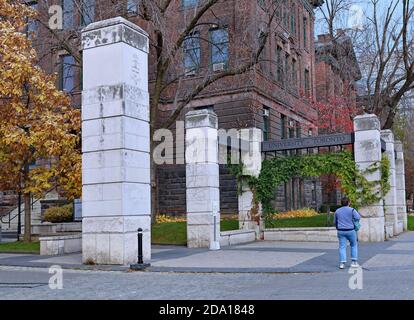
(202, 180)
(367, 150)
(250, 217)
(116, 198)
(400, 181)
(390, 201)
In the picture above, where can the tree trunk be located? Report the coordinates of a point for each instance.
(27, 206)
(154, 186)
(27, 218)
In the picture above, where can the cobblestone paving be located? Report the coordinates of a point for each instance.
(388, 273)
(18, 283)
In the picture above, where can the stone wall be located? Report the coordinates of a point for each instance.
(231, 238)
(301, 234)
(171, 192)
(58, 245)
(228, 192)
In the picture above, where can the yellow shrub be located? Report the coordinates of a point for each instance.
(161, 218)
(302, 213)
(59, 214)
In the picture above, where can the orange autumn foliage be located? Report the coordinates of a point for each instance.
(37, 122)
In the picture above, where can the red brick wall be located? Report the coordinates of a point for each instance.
(238, 100)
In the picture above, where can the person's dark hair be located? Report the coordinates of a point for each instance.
(345, 201)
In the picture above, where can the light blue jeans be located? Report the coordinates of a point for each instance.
(343, 237)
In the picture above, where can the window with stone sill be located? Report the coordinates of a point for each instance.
(87, 12)
(286, 16)
(307, 83)
(219, 39)
(287, 71)
(132, 6)
(294, 77)
(192, 53)
(68, 14)
(298, 130)
(293, 19)
(32, 24)
(266, 123)
(305, 32)
(67, 73)
(279, 66)
(283, 123)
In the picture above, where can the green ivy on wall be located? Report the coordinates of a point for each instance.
(278, 170)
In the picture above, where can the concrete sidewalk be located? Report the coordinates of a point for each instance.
(257, 257)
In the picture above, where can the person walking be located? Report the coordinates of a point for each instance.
(346, 218)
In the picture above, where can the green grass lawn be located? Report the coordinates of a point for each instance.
(169, 233)
(20, 247)
(411, 223)
(176, 232)
(319, 221)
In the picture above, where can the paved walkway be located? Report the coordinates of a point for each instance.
(257, 257)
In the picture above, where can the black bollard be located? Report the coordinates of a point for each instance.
(140, 258)
(140, 265)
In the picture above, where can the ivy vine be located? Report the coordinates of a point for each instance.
(353, 181)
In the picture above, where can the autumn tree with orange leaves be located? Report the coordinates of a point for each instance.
(335, 115)
(37, 122)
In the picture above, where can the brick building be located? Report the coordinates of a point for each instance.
(337, 68)
(275, 95)
(337, 74)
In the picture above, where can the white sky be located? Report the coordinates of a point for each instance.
(361, 9)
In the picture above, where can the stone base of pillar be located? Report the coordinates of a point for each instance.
(389, 230)
(201, 232)
(198, 236)
(405, 223)
(402, 217)
(372, 229)
(252, 225)
(245, 215)
(400, 227)
(391, 221)
(114, 240)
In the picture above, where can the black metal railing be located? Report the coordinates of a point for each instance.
(19, 211)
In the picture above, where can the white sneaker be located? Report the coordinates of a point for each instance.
(342, 265)
(354, 264)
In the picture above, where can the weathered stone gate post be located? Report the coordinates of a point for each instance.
(400, 181)
(390, 201)
(368, 152)
(116, 197)
(202, 179)
(250, 218)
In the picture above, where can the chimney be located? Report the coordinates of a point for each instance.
(340, 33)
(324, 37)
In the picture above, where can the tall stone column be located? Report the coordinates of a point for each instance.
(368, 152)
(115, 142)
(401, 194)
(390, 201)
(250, 216)
(202, 180)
